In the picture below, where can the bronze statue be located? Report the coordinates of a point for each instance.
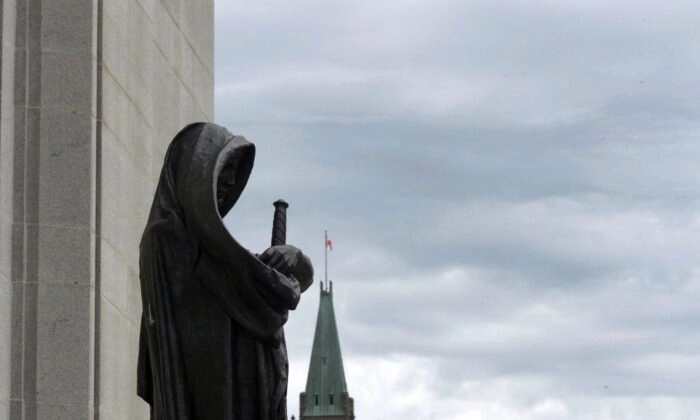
(212, 345)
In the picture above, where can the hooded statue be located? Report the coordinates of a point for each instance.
(212, 345)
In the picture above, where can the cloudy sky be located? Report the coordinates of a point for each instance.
(512, 189)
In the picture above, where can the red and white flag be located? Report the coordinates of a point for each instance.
(329, 244)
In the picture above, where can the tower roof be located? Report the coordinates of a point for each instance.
(326, 373)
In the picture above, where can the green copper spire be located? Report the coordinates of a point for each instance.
(326, 392)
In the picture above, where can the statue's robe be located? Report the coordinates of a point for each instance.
(212, 345)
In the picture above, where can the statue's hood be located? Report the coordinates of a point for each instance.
(188, 184)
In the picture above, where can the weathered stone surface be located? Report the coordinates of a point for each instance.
(125, 204)
(67, 25)
(113, 279)
(5, 334)
(68, 267)
(199, 30)
(58, 411)
(7, 40)
(18, 340)
(62, 168)
(126, 124)
(66, 80)
(203, 81)
(64, 343)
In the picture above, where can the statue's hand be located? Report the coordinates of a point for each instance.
(289, 260)
(282, 257)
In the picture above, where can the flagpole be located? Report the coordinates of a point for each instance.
(325, 250)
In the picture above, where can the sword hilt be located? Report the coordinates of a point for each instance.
(279, 223)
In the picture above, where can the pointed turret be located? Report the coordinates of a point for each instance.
(326, 396)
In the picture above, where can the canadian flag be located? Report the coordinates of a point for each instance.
(329, 244)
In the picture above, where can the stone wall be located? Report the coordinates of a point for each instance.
(156, 77)
(92, 92)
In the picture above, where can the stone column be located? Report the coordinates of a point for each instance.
(52, 149)
(7, 58)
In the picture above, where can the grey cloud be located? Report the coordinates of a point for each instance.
(511, 189)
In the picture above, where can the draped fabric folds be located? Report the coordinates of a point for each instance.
(212, 345)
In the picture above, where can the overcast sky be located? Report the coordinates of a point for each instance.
(512, 189)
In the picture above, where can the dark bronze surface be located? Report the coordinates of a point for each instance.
(212, 344)
(279, 223)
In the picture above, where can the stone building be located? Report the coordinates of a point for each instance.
(326, 396)
(91, 93)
